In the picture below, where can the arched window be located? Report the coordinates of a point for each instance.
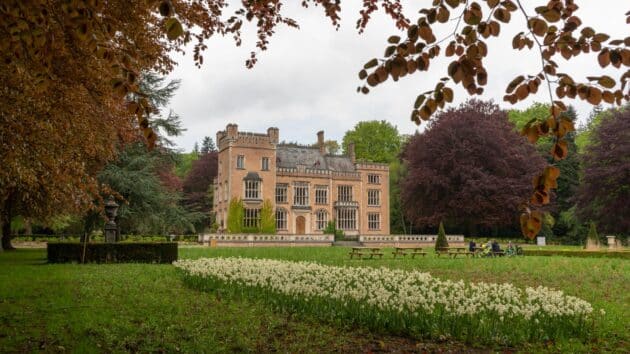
(281, 219)
(321, 219)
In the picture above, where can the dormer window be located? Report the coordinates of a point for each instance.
(252, 186)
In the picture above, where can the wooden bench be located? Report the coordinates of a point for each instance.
(366, 251)
(498, 254)
(413, 251)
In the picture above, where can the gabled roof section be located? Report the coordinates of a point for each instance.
(291, 156)
(252, 176)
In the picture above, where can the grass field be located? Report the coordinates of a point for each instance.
(136, 307)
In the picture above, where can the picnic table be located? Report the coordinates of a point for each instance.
(366, 251)
(413, 251)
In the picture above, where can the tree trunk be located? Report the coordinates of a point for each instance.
(6, 226)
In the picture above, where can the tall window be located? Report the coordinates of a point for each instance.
(321, 194)
(321, 220)
(281, 219)
(374, 197)
(281, 193)
(374, 179)
(225, 191)
(374, 221)
(300, 194)
(240, 161)
(265, 164)
(252, 189)
(251, 218)
(347, 219)
(344, 193)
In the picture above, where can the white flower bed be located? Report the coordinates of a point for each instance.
(399, 299)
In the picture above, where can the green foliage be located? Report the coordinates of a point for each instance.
(547, 226)
(150, 207)
(397, 221)
(441, 241)
(267, 218)
(569, 228)
(592, 235)
(207, 145)
(331, 229)
(183, 163)
(568, 180)
(375, 141)
(120, 252)
(584, 136)
(332, 146)
(235, 215)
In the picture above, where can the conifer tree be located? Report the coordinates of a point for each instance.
(441, 241)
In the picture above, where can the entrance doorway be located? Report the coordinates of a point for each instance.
(300, 224)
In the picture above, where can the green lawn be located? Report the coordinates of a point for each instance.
(136, 307)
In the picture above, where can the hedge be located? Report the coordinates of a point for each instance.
(594, 254)
(154, 252)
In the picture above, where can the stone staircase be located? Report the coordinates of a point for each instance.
(347, 243)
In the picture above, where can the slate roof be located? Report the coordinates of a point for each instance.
(290, 157)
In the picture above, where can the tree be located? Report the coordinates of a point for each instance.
(149, 206)
(198, 188)
(375, 141)
(207, 145)
(553, 30)
(332, 146)
(569, 168)
(441, 241)
(469, 169)
(604, 193)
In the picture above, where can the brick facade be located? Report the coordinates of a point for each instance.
(313, 187)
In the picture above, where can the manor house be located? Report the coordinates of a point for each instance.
(307, 186)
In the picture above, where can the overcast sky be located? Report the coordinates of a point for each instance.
(306, 81)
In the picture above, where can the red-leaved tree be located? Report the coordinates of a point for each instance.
(469, 168)
(604, 194)
(196, 186)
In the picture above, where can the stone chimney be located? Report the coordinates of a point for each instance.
(273, 134)
(320, 142)
(232, 131)
(353, 157)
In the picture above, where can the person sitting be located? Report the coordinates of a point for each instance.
(471, 246)
(487, 250)
(495, 247)
(511, 250)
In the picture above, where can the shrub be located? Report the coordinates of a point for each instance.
(67, 252)
(585, 254)
(267, 218)
(331, 229)
(236, 212)
(441, 241)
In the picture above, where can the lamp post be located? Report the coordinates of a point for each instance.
(111, 230)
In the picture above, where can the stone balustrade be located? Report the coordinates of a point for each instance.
(415, 240)
(251, 240)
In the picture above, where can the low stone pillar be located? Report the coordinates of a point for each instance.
(611, 242)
